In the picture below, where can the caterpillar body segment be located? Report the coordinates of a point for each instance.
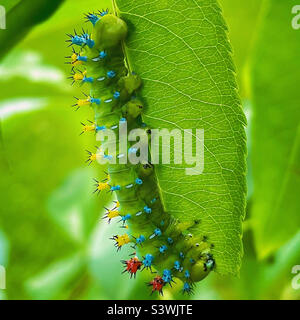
(160, 242)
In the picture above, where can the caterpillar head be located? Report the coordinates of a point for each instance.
(109, 31)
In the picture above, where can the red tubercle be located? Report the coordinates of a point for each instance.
(132, 266)
(157, 284)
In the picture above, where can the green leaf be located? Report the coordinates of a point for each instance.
(181, 51)
(21, 17)
(276, 134)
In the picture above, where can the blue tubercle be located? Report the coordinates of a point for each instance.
(93, 18)
(187, 288)
(108, 157)
(147, 209)
(177, 266)
(103, 12)
(100, 128)
(163, 249)
(115, 188)
(88, 40)
(111, 74)
(90, 43)
(170, 240)
(140, 239)
(148, 260)
(117, 95)
(138, 181)
(78, 40)
(157, 232)
(132, 150)
(187, 274)
(95, 100)
(88, 79)
(126, 217)
(102, 54)
(82, 58)
(167, 276)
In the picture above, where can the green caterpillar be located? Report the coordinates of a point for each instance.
(159, 240)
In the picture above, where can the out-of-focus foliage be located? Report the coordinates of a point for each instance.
(9, 4)
(52, 240)
(21, 17)
(276, 129)
(242, 19)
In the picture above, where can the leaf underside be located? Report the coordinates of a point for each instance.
(181, 51)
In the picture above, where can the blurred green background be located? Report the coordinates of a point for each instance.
(52, 239)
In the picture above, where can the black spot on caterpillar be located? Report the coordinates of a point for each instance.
(159, 241)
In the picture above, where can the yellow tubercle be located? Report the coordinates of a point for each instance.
(93, 157)
(112, 213)
(83, 102)
(79, 76)
(122, 240)
(89, 128)
(74, 58)
(102, 186)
